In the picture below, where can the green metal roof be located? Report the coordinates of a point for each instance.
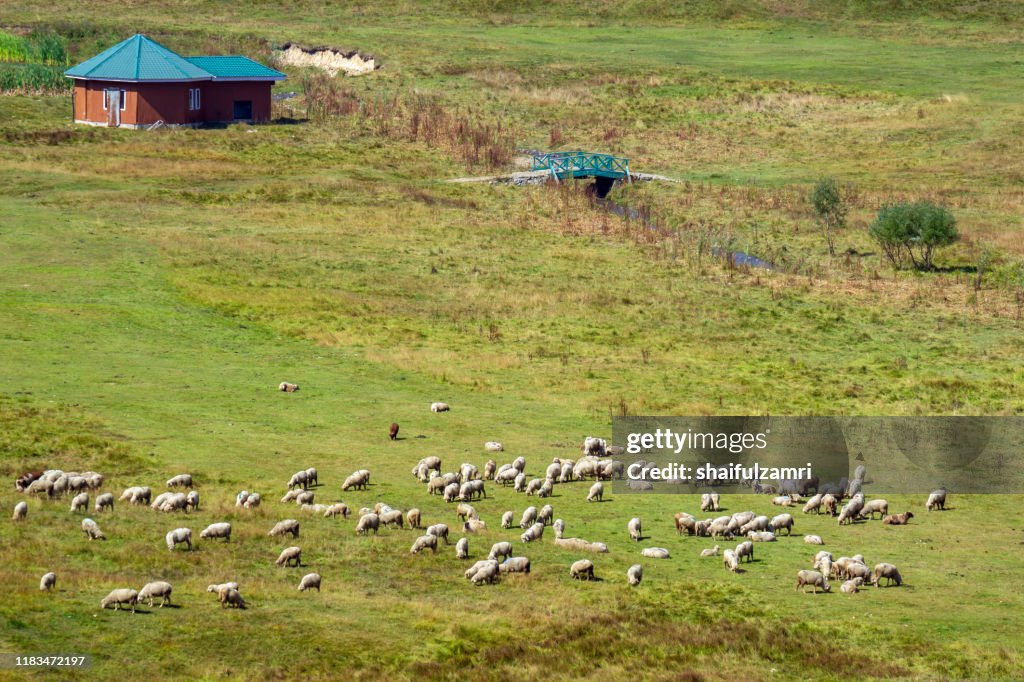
(141, 59)
(235, 67)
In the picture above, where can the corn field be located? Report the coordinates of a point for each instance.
(34, 79)
(35, 48)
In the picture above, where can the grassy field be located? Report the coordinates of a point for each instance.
(156, 286)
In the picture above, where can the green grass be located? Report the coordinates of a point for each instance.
(156, 286)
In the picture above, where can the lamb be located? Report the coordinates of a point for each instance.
(20, 511)
(730, 561)
(440, 530)
(500, 550)
(286, 526)
(287, 387)
(461, 548)
(813, 540)
(516, 564)
(80, 502)
(710, 552)
(898, 519)
(487, 574)
(634, 574)
(48, 581)
(887, 571)
(412, 517)
(425, 542)
(936, 500)
(192, 500)
(582, 570)
(217, 530)
(534, 532)
(812, 578)
(310, 581)
(869, 509)
(655, 553)
(178, 536)
(392, 518)
(393, 431)
(156, 589)
(121, 596)
(368, 522)
(288, 555)
(439, 407)
(545, 514)
(851, 586)
(783, 521)
(596, 492)
(252, 501)
(745, 549)
(91, 530)
(506, 519)
(230, 596)
(635, 529)
(180, 481)
(529, 517)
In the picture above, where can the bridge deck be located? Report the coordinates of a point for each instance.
(579, 164)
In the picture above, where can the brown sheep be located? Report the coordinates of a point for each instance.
(898, 519)
(288, 387)
(393, 432)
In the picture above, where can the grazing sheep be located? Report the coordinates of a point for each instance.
(566, 473)
(634, 574)
(783, 521)
(368, 522)
(745, 549)
(582, 570)
(48, 581)
(813, 504)
(440, 530)
(685, 522)
(156, 589)
(500, 550)
(80, 502)
(424, 542)
(291, 495)
(594, 446)
(305, 497)
(869, 509)
(553, 470)
(710, 552)
(655, 553)
(359, 480)
(635, 529)
(828, 504)
(858, 569)
(412, 517)
(469, 472)
(451, 492)
(506, 519)
(231, 596)
(761, 536)
(782, 501)
(312, 477)
(222, 586)
(709, 502)
(489, 470)
(472, 570)
(39, 486)
(507, 477)
(121, 596)
(105, 501)
(91, 530)
(217, 530)
(287, 387)
(192, 500)
(519, 464)
(487, 574)
(393, 431)
(241, 497)
(20, 511)
(174, 502)
(936, 500)
(516, 564)
(286, 526)
(529, 517)
(596, 492)
(813, 540)
(461, 548)
(546, 514)
(812, 578)
(465, 511)
(493, 446)
(898, 519)
(252, 501)
(474, 526)
(299, 478)
(519, 485)
(180, 481)
(178, 536)
(392, 518)
(534, 532)
(756, 523)
(546, 488)
(288, 555)
(439, 407)
(730, 561)
(851, 586)
(310, 581)
(559, 527)
(887, 571)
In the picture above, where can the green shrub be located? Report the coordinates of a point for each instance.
(909, 233)
(829, 204)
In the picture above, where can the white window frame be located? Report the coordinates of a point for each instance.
(194, 99)
(123, 98)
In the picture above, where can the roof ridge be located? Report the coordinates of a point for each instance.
(138, 57)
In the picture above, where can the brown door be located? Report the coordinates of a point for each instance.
(113, 99)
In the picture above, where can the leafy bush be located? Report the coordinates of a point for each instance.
(829, 204)
(911, 232)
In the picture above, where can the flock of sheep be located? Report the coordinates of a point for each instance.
(468, 483)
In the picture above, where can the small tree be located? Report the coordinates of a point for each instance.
(828, 202)
(913, 232)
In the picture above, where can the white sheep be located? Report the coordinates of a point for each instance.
(710, 552)
(424, 542)
(287, 387)
(393, 517)
(870, 508)
(177, 536)
(192, 500)
(782, 521)
(48, 581)
(80, 502)
(335, 510)
(709, 502)
(286, 526)
(655, 553)
(635, 529)
(291, 495)
(310, 581)
(472, 570)
(181, 480)
(440, 530)
(582, 570)
(812, 578)
(156, 589)
(368, 522)
(730, 560)
(559, 527)
(487, 574)
(887, 571)
(936, 500)
(217, 530)
(635, 574)
(493, 446)
(534, 532)
(500, 550)
(516, 564)
(506, 519)
(241, 497)
(288, 555)
(851, 586)
(474, 526)
(20, 511)
(121, 596)
(439, 407)
(91, 530)
(252, 501)
(412, 518)
(529, 517)
(761, 536)
(461, 548)
(305, 497)
(596, 492)
(745, 549)
(520, 483)
(105, 501)
(230, 596)
(813, 540)
(222, 586)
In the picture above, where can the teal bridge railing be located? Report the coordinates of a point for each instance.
(579, 164)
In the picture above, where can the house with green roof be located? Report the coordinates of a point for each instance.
(139, 82)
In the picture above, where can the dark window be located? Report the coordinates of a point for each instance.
(243, 109)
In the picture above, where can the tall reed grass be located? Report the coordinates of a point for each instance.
(35, 48)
